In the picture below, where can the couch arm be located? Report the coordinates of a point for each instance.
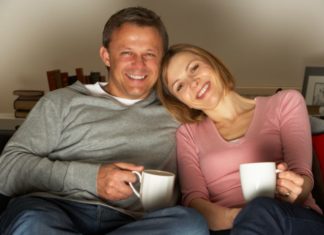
(318, 190)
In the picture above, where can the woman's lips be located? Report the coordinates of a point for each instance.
(203, 90)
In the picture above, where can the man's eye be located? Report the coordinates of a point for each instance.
(126, 53)
(150, 55)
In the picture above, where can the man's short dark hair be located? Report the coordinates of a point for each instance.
(137, 15)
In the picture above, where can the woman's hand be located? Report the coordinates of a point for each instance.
(218, 217)
(291, 186)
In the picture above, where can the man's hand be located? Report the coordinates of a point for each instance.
(112, 180)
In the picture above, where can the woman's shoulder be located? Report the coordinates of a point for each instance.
(194, 127)
(288, 94)
(281, 103)
(284, 97)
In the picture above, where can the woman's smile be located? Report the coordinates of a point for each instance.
(203, 90)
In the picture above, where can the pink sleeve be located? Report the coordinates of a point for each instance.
(191, 179)
(295, 133)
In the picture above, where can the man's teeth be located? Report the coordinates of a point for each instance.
(136, 77)
(203, 90)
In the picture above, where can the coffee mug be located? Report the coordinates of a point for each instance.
(258, 179)
(156, 188)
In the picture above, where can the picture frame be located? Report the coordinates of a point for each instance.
(313, 86)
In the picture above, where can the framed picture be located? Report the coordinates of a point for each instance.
(313, 87)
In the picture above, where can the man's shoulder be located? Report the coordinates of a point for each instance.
(67, 93)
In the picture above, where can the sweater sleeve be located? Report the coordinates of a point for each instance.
(192, 181)
(26, 164)
(295, 133)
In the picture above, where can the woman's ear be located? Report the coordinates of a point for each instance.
(104, 55)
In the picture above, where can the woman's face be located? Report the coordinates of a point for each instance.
(194, 82)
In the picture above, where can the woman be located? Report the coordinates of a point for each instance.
(221, 130)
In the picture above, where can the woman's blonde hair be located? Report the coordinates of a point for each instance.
(179, 110)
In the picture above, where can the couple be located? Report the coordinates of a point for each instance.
(68, 165)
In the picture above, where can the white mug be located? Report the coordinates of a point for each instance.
(156, 190)
(258, 179)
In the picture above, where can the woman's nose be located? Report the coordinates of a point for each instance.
(194, 82)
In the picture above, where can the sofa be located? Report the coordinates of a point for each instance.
(317, 127)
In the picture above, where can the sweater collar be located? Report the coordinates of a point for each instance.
(80, 88)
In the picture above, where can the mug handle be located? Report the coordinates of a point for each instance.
(132, 186)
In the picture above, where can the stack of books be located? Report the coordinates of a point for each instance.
(25, 101)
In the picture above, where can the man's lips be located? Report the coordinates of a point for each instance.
(136, 77)
(203, 90)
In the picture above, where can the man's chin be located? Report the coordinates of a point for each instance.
(138, 94)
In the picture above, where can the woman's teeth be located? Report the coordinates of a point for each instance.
(203, 90)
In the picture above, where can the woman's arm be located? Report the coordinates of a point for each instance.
(218, 217)
(296, 181)
(194, 188)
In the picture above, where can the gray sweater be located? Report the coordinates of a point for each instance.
(58, 149)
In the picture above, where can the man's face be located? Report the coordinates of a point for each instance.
(134, 55)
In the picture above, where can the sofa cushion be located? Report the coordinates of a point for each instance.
(318, 148)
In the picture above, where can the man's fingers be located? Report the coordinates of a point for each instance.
(113, 179)
(128, 166)
(118, 191)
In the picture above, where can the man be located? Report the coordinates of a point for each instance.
(73, 156)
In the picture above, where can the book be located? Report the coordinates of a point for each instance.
(53, 77)
(102, 78)
(80, 75)
(64, 79)
(35, 93)
(29, 97)
(23, 104)
(94, 77)
(21, 113)
(72, 79)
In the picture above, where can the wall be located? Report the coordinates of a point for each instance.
(266, 44)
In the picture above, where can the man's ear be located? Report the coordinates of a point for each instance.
(104, 55)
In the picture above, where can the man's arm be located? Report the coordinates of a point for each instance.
(26, 164)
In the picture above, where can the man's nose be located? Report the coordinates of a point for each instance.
(139, 61)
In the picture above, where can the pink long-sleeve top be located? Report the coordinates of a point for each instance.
(209, 165)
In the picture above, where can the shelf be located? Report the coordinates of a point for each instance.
(9, 122)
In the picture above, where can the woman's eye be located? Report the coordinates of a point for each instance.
(194, 67)
(179, 87)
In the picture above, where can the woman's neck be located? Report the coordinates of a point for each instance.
(231, 107)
